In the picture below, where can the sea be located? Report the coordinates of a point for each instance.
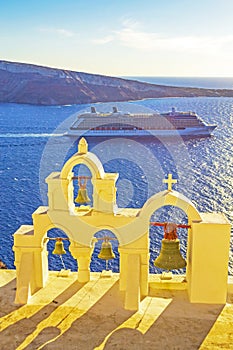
(32, 146)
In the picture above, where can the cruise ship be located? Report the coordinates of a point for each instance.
(117, 123)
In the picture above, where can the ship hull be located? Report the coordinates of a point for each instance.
(188, 132)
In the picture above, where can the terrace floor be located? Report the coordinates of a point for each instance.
(70, 315)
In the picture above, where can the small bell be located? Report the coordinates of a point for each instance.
(170, 257)
(106, 252)
(59, 248)
(82, 196)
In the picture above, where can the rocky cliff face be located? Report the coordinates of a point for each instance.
(26, 83)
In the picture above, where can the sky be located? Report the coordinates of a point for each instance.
(121, 37)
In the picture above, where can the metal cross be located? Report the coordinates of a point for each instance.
(170, 181)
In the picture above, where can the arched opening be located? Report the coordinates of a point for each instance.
(98, 265)
(59, 262)
(82, 180)
(165, 214)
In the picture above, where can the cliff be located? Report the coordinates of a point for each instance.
(32, 84)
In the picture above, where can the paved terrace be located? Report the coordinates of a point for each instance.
(70, 315)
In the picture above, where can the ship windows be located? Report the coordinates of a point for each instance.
(116, 126)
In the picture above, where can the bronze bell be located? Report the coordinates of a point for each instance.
(170, 257)
(106, 252)
(82, 196)
(59, 248)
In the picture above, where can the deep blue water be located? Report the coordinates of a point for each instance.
(32, 147)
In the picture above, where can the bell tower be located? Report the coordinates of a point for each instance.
(208, 237)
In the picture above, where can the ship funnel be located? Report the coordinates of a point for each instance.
(173, 110)
(115, 110)
(93, 110)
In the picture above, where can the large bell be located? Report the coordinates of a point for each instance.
(170, 257)
(82, 196)
(106, 252)
(59, 248)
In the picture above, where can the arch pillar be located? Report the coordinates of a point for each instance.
(104, 193)
(31, 256)
(134, 271)
(83, 256)
(132, 292)
(31, 262)
(208, 259)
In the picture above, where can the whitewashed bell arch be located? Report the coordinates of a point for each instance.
(130, 226)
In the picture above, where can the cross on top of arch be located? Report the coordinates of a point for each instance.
(170, 181)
